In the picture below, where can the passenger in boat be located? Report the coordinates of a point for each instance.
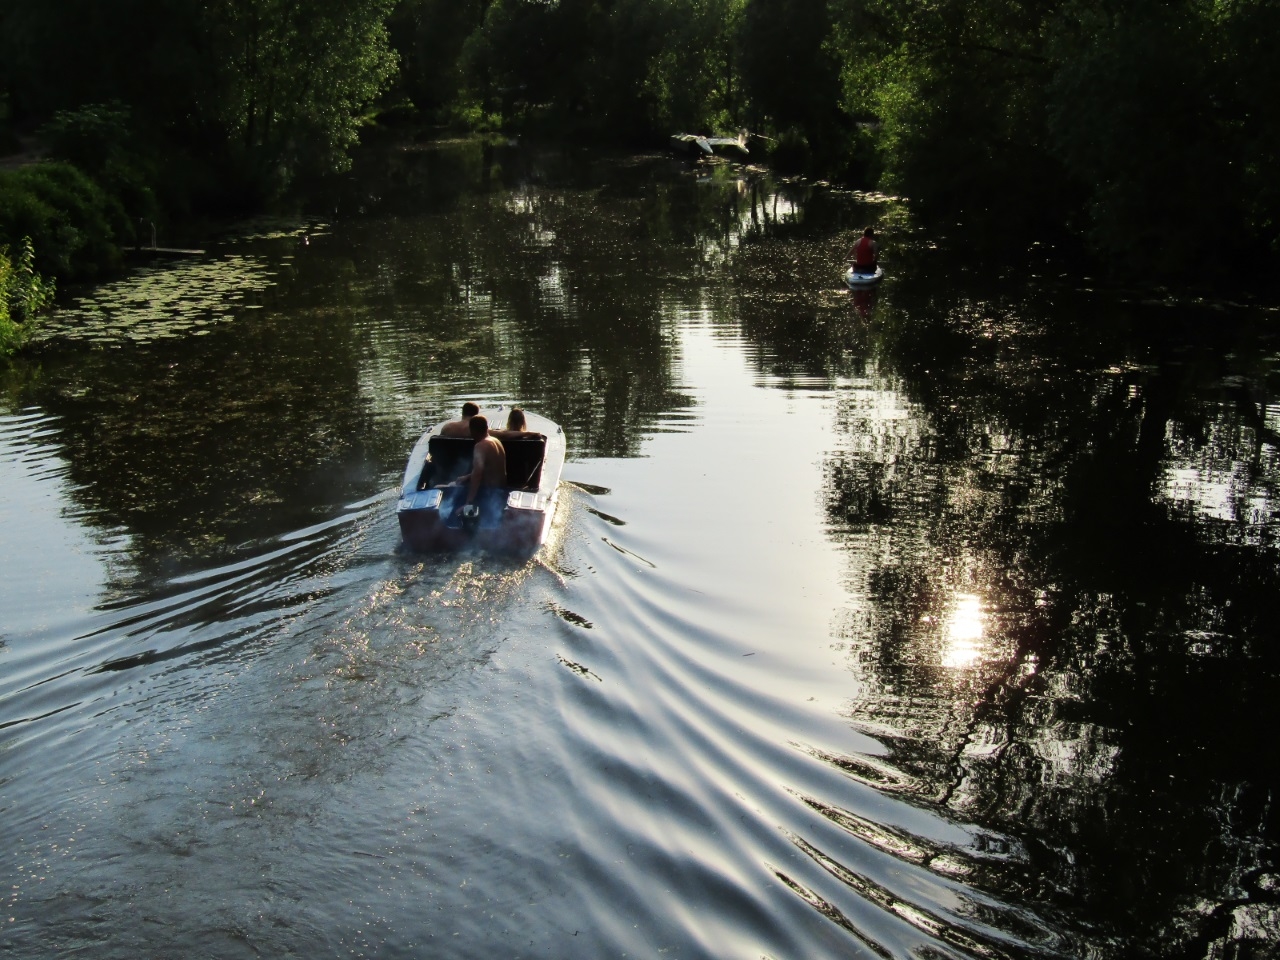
(488, 464)
(515, 428)
(461, 428)
(865, 253)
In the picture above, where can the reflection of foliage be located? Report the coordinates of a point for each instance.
(193, 448)
(284, 404)
(564, 298)
(788, 274)
(1102, 480)
(1109, 717)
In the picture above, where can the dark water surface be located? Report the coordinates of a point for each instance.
(937, 622)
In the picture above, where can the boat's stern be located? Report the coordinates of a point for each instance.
(514, 519)
(428, 522)
(525, 521)
(855, 279)
(420, 522)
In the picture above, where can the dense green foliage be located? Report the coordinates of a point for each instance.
(98, 140)
(23, 294)
(625, 69)
(76, 226)
(1141, 124)
(1143, 129)
(289, 80)
(155, 110)
(245, 93)
(1139, 127)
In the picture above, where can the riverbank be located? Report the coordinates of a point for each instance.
(43, 196)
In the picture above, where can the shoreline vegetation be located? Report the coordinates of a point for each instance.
(1139, 134)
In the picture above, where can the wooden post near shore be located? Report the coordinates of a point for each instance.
(163, 251)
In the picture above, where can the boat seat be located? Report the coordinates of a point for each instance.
(524, 462)
(447, 459)
(450, 457)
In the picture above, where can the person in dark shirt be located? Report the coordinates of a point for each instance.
(865, 253)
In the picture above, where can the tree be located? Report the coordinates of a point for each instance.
(429, 37)
(248, 91)
(1160, 112)
(788, 69)
(1143, 126)
(624, 69)
(692, 76)
(958, 91)
(292, 79)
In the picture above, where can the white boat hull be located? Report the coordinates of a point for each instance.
(863, 279)
(516, 520)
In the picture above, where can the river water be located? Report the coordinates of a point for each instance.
(933, 622)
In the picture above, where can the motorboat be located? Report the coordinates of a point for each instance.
(514, 519)
(855, 279)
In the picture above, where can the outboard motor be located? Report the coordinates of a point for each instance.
(470, 518)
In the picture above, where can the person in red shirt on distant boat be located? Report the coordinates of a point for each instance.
(865, 253)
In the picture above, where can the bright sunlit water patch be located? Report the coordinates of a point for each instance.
(60, 564)
(1209, 494)
(963, 633)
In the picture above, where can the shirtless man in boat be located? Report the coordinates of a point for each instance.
(461, 428)
(488, 462)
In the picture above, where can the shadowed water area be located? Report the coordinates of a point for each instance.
(934, 621)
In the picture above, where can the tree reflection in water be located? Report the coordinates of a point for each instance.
(1062, 562)
(1059, 512)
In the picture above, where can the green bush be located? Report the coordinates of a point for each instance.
(97, 139)
(74, 224)
(23, 294)
(791, 151)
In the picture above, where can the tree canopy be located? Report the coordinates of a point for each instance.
(1143, 129)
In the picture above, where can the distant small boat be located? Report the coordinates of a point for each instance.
(705, 148)
(856, 279)
(515, 519)
(734, 148)
(691, 145)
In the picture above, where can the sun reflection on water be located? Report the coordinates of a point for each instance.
(964, 633)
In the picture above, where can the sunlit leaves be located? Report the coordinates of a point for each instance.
(294, 78)
(23, 294)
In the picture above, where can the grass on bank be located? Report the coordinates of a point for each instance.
(23, 294)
